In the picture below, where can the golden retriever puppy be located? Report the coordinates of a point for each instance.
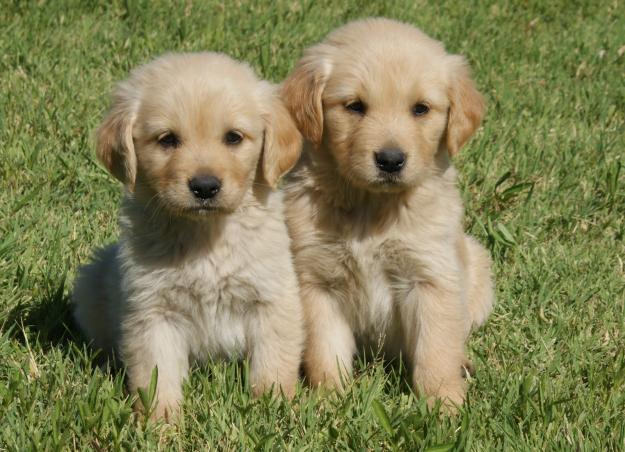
(203, 266)
(373, 209)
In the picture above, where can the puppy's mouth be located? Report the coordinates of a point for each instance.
(202, 210)
(389, 179)
(388, 182)
(201, 213)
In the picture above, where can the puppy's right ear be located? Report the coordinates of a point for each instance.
(115, 147)
(302, 93)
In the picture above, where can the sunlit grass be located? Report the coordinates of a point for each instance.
(543, 182)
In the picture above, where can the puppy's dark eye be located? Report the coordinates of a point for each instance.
(233, 137)
(357, 107)
(420, 109)
(169, 140)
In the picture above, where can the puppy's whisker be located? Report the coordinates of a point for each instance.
(260, 184)
(149, 201)
(153, 207)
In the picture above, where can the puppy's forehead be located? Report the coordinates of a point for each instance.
(374, 60)
(199, 93)
(205, 92)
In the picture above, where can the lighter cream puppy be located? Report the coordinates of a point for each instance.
(203, 267)
(373, 209)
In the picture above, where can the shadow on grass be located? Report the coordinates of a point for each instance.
(397, 376)
(47, 321)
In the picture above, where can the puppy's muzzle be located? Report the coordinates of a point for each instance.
(390, 160)
(204, 187)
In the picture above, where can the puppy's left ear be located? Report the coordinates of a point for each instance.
(115, 146)
(283, 142)
(466, 108)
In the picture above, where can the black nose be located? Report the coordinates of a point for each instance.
(390, 160)
(204, 187)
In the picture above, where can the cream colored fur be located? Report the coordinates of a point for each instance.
(190, 280)
(383, 261)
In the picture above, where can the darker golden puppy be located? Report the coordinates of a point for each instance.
(373, 210)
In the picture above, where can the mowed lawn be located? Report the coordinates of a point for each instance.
(544, 186)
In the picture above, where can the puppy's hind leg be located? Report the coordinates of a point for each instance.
(95, 298)
(330, 344)
(481, 295)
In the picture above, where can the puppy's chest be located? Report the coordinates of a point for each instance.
(374, 255)
(371, 274)
(211, 297)
(212, 282)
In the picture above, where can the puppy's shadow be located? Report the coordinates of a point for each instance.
(397, 377)
(47, 323)
(47, 320)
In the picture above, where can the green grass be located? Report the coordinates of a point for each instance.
(544, 187)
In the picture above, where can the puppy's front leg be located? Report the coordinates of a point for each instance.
(330, 344)
(276, 349)
(434, 323)
(156, 342)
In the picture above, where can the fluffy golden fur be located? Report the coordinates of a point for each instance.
(200, 270)
(381, 256)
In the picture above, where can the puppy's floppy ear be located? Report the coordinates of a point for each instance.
(282, 144)
(302, 92)
(115, 147)
(466, 106)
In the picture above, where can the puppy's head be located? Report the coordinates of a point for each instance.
(384, 99)
(188, 131)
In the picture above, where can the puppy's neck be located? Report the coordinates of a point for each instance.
(156, 234)
(360, 211)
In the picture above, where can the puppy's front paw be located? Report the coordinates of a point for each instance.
(326, 378)
(276, 388)
(451, 399)
(326, 384)
(164, 408)
(167, 411)
(450, 390)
